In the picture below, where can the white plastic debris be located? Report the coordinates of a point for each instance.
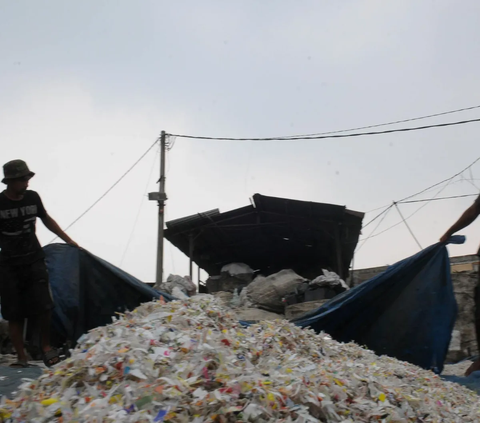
(191, 361)
(329, 279)
(235, 269)
(178, 293)
(235, 302)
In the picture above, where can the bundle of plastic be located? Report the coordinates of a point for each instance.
(329, 279)
(191, 361)
(178, 286)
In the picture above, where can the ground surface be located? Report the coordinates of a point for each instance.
(11, 378)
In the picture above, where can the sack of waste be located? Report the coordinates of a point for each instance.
(183, 284)
(268, 292)
(329, 279)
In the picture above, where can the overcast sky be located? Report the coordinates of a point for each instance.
(86, 87)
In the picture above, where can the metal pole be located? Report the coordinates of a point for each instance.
(160, 197)
(190, 254)
(352, 274)
(161, 207)
(338, 251)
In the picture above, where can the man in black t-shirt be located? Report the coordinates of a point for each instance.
(24, 287)
(468, 217)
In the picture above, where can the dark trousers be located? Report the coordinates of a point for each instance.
(477, 311)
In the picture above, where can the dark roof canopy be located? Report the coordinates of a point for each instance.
(270, 235)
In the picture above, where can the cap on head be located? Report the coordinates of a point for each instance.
(16, 169)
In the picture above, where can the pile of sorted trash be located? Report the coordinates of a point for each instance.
(191, 361)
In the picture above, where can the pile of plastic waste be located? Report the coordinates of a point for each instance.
(191, 361)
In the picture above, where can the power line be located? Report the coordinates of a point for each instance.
(139, 210)
(360, 128)
(414, 213)
(170, 143)
(403, 200)
(437, 199)
(427, 201)
(109, 189)
(408, 226)
(441, 182)
(378, 208)
(399, 121)
(472, 179)
(377, 216)
(385, 212)
(319, 137)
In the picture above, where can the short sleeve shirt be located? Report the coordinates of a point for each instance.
(18, 240)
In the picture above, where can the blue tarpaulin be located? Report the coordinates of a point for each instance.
(88, 291)
(471, 382)
(407, 312)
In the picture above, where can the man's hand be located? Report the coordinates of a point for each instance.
(445, 237)
(52, 226)
(465, 219)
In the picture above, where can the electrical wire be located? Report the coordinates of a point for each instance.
(437, 199)
(470, 182)
(139, 210)
(384, 213)
(109, 189)
(414, 213)
(378, 208)
(448, 181)
(319, 137)
(408, 227)
(441, 182)
(377, 216)
(473, 179)
(469, 167)
(398, 121)
(360, 128)
(411, 215)
(170, 142)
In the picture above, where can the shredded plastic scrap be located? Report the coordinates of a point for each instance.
(191, 361)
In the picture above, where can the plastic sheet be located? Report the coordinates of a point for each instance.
(407, 312)
(191, 361)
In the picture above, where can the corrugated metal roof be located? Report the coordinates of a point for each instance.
(270, 235)
(193, 220)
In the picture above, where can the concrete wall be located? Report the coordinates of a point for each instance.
(464, 343)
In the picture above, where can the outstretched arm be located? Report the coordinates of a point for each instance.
(465, 219)
(53, 226)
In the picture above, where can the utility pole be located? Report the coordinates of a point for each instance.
(160, 197)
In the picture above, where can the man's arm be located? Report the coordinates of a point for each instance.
(465, 219)
(53, 226)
